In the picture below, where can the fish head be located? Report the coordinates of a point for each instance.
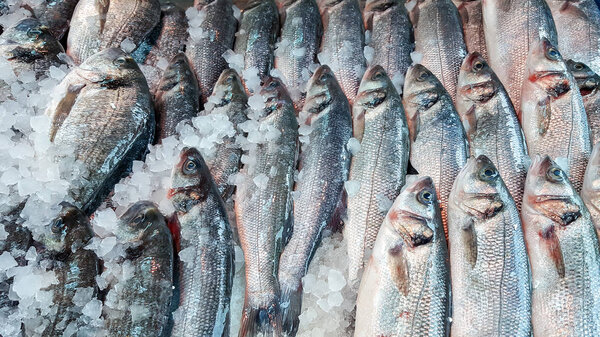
(546, 68)
(321, 88)
(376, 7)
(112, 67)
(422, 89)
(548, 193)
(141, 220)
(69, 231)
(415, 216)
(476, 80)
(274, 94)
(190, 180)
(374, 88)
(478, 189)
(30, 39)
(229, 86)
(176, 72)
(587, 80)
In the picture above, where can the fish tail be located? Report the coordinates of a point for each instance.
(261, 321)
(291, 307)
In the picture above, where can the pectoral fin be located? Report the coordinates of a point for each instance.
(543, 115)
(63, 108)
(469, 238)
(554, 251)
(399, 269)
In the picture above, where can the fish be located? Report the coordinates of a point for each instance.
(578, 28)
(56, 15)
(511, 28)
(102, 112)
(590, 192)
(177, 97)
(206, 272)
(75, 267)
(343, 43)
(301, 34)
(471, 16)
(439, 40)
(206, 53)
(229, 98)
(491, 123)
(256, 36)
(379, 167)
(392, 36)
(488, 259)
(323, 158)
(264, 213)
(405, 289)
(563, 249)
(140, 306)
(439, 147)
(101, 24)
(553, 115)
(589, 84)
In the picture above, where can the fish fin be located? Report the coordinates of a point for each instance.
(358, 121)
(470, 122)
(102, 8)
(413, 15)
(413, 126)
(399, 269)
(336, 223)
(573, 11)
(261, 321)
(470, 241)
(291, 307)
(543, 111)
(554, 250)
(63, 108)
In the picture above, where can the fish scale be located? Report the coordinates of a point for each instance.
(471, 15)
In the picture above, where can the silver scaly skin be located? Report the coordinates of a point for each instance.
(205, 279)
(324, 163)
(589, 87)
(56, 15)
(491, 286)
(264, 215)
(405, 290)
(491, 123)
(590, 193)
(553, 115)
(471, 15)
(379, 166)
(564, 255)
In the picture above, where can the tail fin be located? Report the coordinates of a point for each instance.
(261, 321)
(291, 308)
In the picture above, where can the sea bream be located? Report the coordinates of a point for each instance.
(589, 87)
(55, 14)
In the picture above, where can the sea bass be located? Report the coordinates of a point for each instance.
(206, 256)
(565, 259)
(471, 15)
(590, 193)
(379, 166)
(511, 28)
(439, 146)
(488, 259)
(324, 158)
(589, 87)
(139, 306)
(264, 212)
(55, 14)
(491, 123)
(553, 115)
(103, 113)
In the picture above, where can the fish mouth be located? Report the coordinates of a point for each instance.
(544, 74)
(371, 97)
(408, 214)
(493, 206)
(545, 198)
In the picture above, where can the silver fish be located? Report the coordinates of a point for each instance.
(324, 158)
(488, 259)
(471, 15)
(263, 213)
(564, 255)
(589, 87)
(379, 166)
(405, 288)
(590, 192)
(206, 272)
(55, 14)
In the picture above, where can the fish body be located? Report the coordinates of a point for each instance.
(590, 193)
(563, 250)
(264, 213)
(488, 259)
(491, 124)
(471, 15)
(102, 111)
(206, 256)
(379, 166)
(324, 162)
(589, 87)
(553, 115)
(405, 288)
(56, 15)
(439, 146)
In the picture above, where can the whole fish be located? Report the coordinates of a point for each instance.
(488, 259)
(379, 167)
(75, 267)
(511, 28)
(264, 212)
(439, 146)
(439, 40)
(207, 256)
(301, 34)
(491, 123)
(589, 87)
(590, 193)
(324, 158)
(257, 34)
(392, 37)
(553, 116)
(343, 42)
(229, 98)
(205, 52)
(140, 306)
(177, 96)
(405, 287)
(102, 24)
(55, 14)
(563, 249)
(471, 15)
(103, 113)
(578, 28)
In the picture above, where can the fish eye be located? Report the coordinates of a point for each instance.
(229, 79)
(425, 197)
(120, 61)
(552, 53)
(488, 173)
(138, 220)
(324, 76)
(377, 76)
(34, 33)
(477, 66)
(189, 167)
(555, 174)
(57, 226)
(423, 76)
(578, 66)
